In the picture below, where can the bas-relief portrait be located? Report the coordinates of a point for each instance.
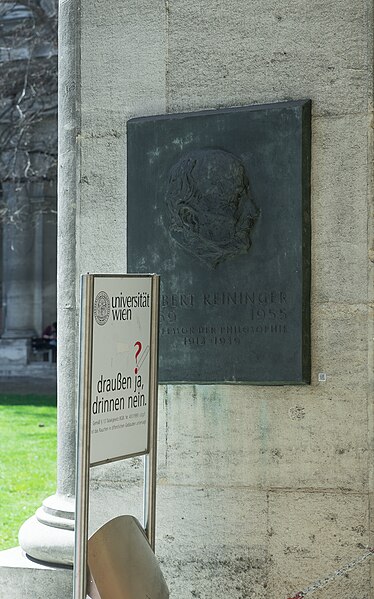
(219, 206)
(210, 211)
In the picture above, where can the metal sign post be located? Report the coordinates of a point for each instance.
(117, 416)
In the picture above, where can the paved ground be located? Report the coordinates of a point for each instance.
(26, 385)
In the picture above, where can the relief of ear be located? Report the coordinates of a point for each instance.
(189, 218)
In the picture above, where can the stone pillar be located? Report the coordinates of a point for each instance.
(49, 535)
(49, 233)
(18, 274)
(37, 203)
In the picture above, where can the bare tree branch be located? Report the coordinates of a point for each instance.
(28, 96)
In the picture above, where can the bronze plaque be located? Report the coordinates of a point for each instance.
(219, 205)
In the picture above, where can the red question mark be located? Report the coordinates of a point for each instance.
(139, 346)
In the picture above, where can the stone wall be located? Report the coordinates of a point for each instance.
(261, 490)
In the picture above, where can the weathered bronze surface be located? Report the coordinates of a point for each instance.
(219, 205)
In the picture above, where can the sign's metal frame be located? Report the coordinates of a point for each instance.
(84, 426)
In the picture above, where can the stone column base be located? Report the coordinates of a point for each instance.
(13, 352)
(19, 334)
(49, 535)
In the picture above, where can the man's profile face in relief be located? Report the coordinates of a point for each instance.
(211, 213)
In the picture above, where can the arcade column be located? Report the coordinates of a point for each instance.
(18, 264)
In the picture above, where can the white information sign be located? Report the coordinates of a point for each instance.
(120, 367)
(117, 409)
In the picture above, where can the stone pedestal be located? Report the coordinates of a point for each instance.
(13, 352)
(48, 536)
(22, 578)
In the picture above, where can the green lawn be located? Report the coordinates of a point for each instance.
(27, 460)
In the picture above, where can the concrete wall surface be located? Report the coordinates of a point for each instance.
(262, 490)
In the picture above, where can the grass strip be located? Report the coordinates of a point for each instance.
(27, 460)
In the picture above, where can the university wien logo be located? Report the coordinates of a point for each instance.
(102, 307)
